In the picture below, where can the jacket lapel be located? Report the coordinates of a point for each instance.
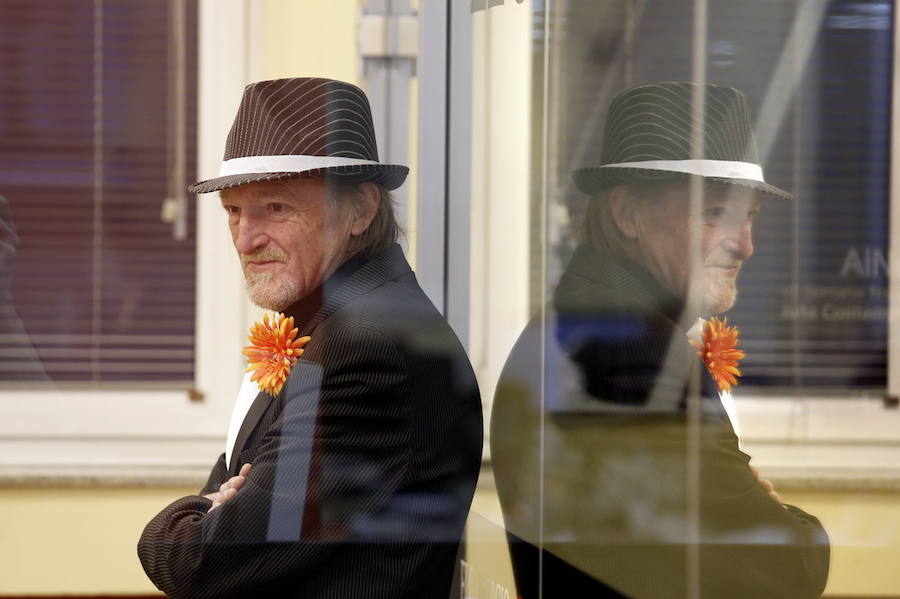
(384, 267)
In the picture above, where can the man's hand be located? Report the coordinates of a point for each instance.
(229, 488)
(766, 484)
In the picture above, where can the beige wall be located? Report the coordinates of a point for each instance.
(308, 38)
(82, 541)
(76, 541)
(865, 535)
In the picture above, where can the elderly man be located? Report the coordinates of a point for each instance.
(348, 472)
(616, 463)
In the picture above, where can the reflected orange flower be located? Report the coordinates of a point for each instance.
(273, 351)
(718, 350)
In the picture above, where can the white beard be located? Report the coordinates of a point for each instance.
(719, 295)
(270, 292)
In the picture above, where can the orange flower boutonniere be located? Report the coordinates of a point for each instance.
(718, 350)
(273, 351)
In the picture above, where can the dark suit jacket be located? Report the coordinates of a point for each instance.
(596, 461)
(364, 466)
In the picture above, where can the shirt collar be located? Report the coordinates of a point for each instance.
(617, 275)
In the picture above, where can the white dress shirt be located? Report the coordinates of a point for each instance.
(249, 391)
(695, 333)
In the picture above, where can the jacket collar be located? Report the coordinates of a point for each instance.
(354, 278)
(591, 272)
(594, 280)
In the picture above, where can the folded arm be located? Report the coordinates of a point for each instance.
(333, 459)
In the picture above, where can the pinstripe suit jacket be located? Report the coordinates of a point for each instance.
(364, 466)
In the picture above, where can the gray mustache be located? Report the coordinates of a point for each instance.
(263, 256)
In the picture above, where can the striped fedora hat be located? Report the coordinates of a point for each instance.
(648, 138)
(302, 127)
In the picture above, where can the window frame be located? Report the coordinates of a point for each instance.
(120, 435)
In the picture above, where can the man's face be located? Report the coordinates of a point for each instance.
(724, 237)
(289, 235)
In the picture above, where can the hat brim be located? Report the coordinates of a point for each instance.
(593, 180)
(389, 176)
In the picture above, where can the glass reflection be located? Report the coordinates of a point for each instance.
(616, 461)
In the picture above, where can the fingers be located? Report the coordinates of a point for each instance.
(766, 485)
(229, 488)
(221, 498)
(769, 488)
(236, 482)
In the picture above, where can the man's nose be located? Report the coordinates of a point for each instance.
(740, 241)
(249, 236)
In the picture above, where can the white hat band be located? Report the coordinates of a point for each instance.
(727, 169)
(286, 164)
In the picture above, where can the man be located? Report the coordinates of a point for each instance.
(616, 463)
(355, 477)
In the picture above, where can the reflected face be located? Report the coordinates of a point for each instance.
(724, 236)
(289, 235)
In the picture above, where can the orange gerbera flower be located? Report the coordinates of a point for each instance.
(274, 351)
(718, 350)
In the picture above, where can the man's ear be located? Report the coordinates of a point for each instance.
(622, 207)
(366, 206)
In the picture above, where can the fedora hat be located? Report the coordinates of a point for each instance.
(302, 127)
(648, 137)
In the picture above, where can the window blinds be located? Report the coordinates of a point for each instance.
(101, 290)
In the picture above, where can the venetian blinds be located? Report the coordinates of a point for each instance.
(97, 130)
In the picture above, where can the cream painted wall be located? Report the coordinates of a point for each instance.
(865, 537)
(76, 541)
(309, 38)
(83, 541)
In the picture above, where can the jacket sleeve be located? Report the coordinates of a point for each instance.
(216, 476)
(639, 516)
(660, 500)
(327, 467)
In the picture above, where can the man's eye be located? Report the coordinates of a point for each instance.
(714, 212)
(231, 209)
(277, 207)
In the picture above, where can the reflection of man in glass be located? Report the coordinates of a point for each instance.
(597, 457)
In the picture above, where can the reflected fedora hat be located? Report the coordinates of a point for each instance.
(302, 127)
(648, 136)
